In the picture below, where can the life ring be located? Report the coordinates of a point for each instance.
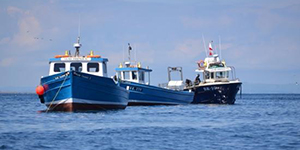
(201, 64)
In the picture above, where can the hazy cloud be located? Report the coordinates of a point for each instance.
(256, 35)
(11, 10)
(5, 40)
(7, 62)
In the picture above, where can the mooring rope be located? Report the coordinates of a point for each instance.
(67, 74)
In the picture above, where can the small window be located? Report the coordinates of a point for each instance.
(134, 75)
(76, 67)
(93, 67)
(126, 75)
(142, 76)
(212, 75)
(59, 67)
(104, 68)
(220, 75)
(218, 65)
(206, 75)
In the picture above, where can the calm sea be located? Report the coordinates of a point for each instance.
(261, 121)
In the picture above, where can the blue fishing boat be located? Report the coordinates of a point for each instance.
(136, 79)
(219, 84)
(78, 83)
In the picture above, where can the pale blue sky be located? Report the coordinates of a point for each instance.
(261, 38)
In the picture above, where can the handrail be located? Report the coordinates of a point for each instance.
(232, 72)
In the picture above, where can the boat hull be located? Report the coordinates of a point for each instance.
(75, 91)
(145, 95)
(216, 93)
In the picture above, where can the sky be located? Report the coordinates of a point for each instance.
(260, 38)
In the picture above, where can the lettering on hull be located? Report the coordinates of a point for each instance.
(134, 88)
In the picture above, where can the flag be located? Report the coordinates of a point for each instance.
(210, 49)
(129, 47)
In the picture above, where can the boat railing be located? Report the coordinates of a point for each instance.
(232, 72)
(163, 85)
(178, 87)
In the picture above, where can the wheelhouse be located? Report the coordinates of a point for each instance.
(133, 73)
(214, 70)
(94, 66)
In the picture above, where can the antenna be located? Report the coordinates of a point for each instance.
(129, 49)
(79, 23)
(123, 52)
(204, 44)
(220, 47)
(213, 45)
(135, 50)
(78, 45)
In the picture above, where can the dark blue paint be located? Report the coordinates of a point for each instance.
(216, 94)
(154, 94)
(83, 86)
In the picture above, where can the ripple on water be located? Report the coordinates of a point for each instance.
(262, 121)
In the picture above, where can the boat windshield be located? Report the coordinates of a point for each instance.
(76, 67)
(59, 67)
(134, 75)
(216, 65)
(93, 67)
(125, 75)
(220, 75)
(141, 76)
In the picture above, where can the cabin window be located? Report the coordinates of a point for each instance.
(93, 67)
(76, 67)
(212, 75)
(220, 75)
(216, 65)
(134, 75)
(206, 75)
(126, 75)
(59, 67)
(142, 76)
(104, 68)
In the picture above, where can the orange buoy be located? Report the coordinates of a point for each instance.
(39, 90)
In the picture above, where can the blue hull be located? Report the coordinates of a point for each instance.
(74, 91)
(140, 94)
(216, 94)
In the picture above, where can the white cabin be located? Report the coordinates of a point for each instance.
(95, 66)
(133, 73)
(214, 70)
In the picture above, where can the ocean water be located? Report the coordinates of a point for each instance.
(263, 121)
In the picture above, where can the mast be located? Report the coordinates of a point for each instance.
(204, 45)
(129, 49)
(220, 47)
(78, 45)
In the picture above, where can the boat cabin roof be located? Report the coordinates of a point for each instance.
(223, 69)
(95, 66)
(78, 59)
(133, 69)
(133, 73)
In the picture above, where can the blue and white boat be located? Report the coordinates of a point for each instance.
(136, 79)
(219, 84)
(78, 83)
